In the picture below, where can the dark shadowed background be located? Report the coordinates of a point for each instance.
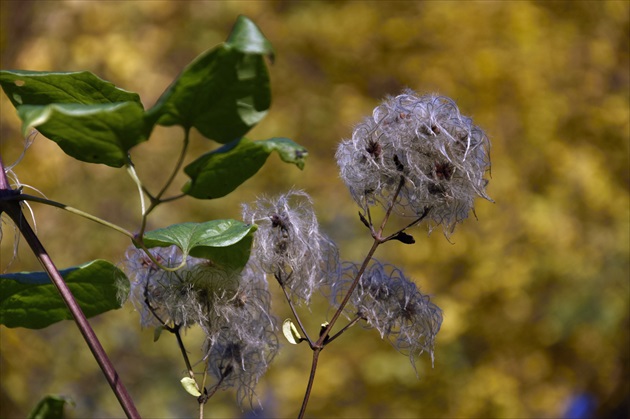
(535, 292)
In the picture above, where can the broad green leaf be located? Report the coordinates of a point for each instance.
(219, 172)
(44, 88)
(50, 407)
(97, 133)
(29, 299)
(225, 242)
(224, 92)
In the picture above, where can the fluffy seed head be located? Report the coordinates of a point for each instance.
(235, 363)
(439, 154)
(247, 311)
(393, 305)
(289, 245)
(231, 307)
(182, 297)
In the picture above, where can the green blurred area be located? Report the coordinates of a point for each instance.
(535, 292)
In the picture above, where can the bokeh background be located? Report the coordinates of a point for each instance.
(535, 292)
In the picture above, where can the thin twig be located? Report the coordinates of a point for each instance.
(32, 198)
(378, 240)
(215, 387)
(157, 199)
(178, 165)
(345, 300)
(294, 311)
(174, 330)
(324, 336)
(346, 327)
(391, 207)
(137, 241)
(182, 348)
(422, 216)
(173, 198)
(311, 379)
(203, 399)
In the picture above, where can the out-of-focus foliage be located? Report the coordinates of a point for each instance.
(50, 407)
(535, 294)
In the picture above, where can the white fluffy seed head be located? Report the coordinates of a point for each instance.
(289, 245)
(183, 297)
(393, 305)
(440, 154)
(239, 362)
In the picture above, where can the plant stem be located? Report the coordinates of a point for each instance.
(378, 240)
(132, 172)
(316, 352)
(311, 379)
(324, 336)
(422, 216)
(345, 300)
(174, 330)
(24, 197)
(182, 348)
(203, 399)
(178, 165)
(14, 211)
(391, 206)
(136, 240)
(295, 314)
(346, 327)
(157, 200)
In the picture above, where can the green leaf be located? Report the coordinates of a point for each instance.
(97, 133)
(247, 38)
(91, 119)
(44, 88)
(29, 299)
(224, 92)
(50, 407)
(226, 242)
(219, 172)
(231, 257)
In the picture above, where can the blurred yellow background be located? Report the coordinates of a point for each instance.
(535, 292)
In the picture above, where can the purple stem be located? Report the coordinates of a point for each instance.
(13, 209)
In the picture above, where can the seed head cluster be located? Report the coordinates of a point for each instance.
(415, 154)
(243, 340)
(231, 307)
(423, 141)
(393, 305)
(289, 245)
(163, 297)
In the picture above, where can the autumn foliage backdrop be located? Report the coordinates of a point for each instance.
(535, 293)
